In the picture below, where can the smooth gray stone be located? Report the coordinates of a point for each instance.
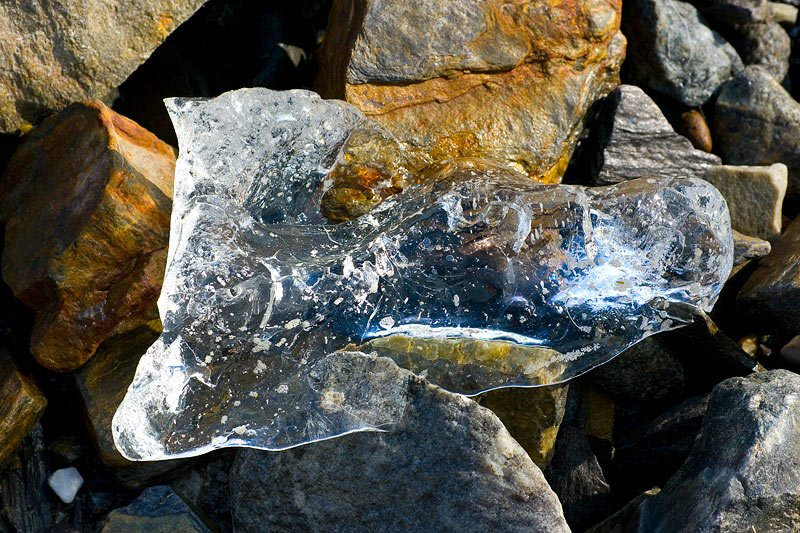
(672, 50)
(756, 122)
(765, 44)
(742, 473)
(449, 465)
(634, 140)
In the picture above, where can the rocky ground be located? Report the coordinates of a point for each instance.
(691, 430)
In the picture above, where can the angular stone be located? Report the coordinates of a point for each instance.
(784, 14)
(634, 140)
(674, 51)
(746, 248)
(772, 293)
(57, 52)
(87, 222)
(531, 415)
(157, 510)
(449, 465)
(21, 405)
(575, 274)
(765, 44)
(102, 383)
(576, 477)
(206, 488)
(791, 350)
(735, 11)
(756, 122)
(742, 472)
(754, 196)
(510, 82)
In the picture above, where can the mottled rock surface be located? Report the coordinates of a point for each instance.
(772, 293)
(754, 196)
(449, 465)
(757, 122)
(21, 405)
(742, 473)
(674, 51)
(510, 82)
(576, 477)
(157, 510)
(56, 52)
(531, 415)
(634, 140)
(765, 44)
(735, 11)
(88, 200)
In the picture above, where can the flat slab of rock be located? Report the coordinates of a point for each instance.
(634, 140)
(742, 473)
(754, 196)
(510, 82)
(21, 405)
(87, 212)
(674, 51)
(55, 52)
(757, 122)
(449, 465)
(772, 293)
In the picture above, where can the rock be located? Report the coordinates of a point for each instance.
(157, 510)
(645, 372)
(735, 11)
(626, 519)
(21, 405)
(756, 122)
(531, 415)
(648, 451)
(771, 295)
(449, 465)
(694, 127)
(510, 83)
(674, 51)
(745, 249)
(66, 482)
(205, 487)
(25, 501)
(754, 196)
(576, 477)
(102, 383)
(791, 350)
(87, 223)
(742, 472)
(784, 14)
(58, 52)
(765, 44)
(634, 140)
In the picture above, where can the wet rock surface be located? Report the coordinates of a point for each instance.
(462, 472)
(21, 403)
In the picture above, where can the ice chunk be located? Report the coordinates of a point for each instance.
(260, 292)
(66, 483)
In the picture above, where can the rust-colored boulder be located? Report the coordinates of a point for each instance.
(510, 81)
(87, 201)
(21, 405)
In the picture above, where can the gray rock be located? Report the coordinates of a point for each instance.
(754, 196)
(25, 504)
(756, 122)
(647, 371)
(157, 510)
(742, 473)
(746, 248)
(205, 488)
(450, 465)
(766, 44)
(791, 350)
(635, 140)
(576, 477)
(673, 50)
(735, 11)
(55, 52)
(772, 293)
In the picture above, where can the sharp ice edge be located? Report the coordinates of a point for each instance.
(259, 291)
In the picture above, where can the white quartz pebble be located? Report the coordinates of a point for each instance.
(66, 483)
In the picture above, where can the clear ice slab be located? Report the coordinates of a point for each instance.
(476, 278)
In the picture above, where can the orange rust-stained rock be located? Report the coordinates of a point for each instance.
(21, 405)
(510, 81)
(87, 201)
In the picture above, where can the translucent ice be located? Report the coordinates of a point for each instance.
(476, 278)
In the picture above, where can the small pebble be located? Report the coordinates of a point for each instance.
(65, 483)
(693, 126)
(791, 352)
